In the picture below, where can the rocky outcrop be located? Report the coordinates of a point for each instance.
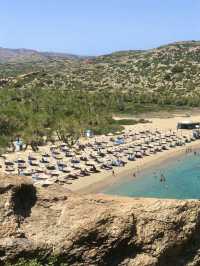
(96, 229)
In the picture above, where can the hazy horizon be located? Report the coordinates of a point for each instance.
(115, 51)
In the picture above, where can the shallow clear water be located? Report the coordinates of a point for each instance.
(182, 176)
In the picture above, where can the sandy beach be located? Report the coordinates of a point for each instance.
(96, 183)
(105, 180)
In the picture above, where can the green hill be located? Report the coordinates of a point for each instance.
(168, 75)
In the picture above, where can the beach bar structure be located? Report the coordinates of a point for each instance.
(188, 125)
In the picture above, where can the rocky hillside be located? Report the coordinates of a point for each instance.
(95, 229)
(163, 76)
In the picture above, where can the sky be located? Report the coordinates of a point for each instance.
(94, 27)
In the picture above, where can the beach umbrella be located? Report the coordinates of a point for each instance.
(58, 157)
(10, 169)
(63, 144)
(54, 173)
(150, 145)
(21, 166)
(7, 162)
(45, 155)
(50, 166)
(27, 173)
(66, 169)
(20, 160)
(132, 146)
(39, 170)
(53, 147)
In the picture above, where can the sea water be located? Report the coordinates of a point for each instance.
(182, 180)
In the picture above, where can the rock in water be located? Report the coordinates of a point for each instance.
(96, 229)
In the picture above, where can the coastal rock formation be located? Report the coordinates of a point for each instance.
(96, 229)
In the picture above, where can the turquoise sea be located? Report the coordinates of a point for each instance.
(182, 180)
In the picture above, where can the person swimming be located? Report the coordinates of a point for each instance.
(162, 178)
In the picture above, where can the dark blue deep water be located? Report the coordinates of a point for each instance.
(182, 180)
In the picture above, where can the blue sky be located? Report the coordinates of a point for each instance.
(91, 27)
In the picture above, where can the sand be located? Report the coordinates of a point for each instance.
(96, 183)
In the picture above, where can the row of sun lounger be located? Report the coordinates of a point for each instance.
(64, 165)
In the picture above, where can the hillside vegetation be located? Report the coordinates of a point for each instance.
(168, 75)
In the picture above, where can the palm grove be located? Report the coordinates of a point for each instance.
(36, 116)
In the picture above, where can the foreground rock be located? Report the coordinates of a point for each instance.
(96, 229)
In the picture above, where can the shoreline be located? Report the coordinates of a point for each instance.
(106, 180)
(96, 183)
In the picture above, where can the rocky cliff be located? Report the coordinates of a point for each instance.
(96, 229)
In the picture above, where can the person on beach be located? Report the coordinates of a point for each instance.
(134, 174)
(113, 172)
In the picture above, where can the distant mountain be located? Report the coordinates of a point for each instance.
(26, 55)
(19, 55)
